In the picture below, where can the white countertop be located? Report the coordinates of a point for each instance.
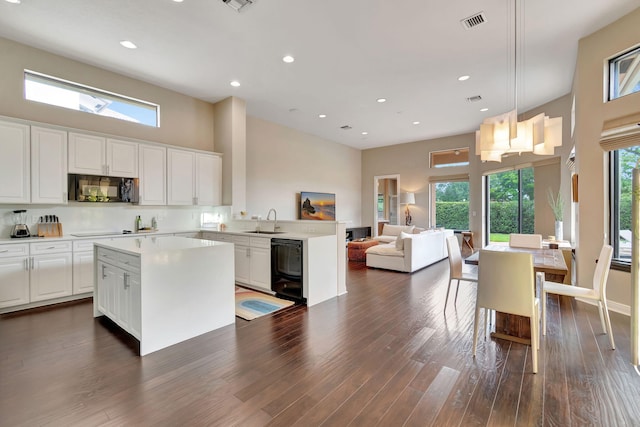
(158, 244)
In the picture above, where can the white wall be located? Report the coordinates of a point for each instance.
(281, 162)
(591, 112)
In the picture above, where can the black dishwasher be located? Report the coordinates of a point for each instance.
(286, 269)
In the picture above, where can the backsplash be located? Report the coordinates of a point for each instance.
(83, 217)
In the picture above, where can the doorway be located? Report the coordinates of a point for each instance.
(386, 203)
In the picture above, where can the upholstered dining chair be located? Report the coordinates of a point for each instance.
(598, 293)
(506, 284)
(455, 268)
(533, 241)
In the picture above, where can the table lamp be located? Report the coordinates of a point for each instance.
(407, 199)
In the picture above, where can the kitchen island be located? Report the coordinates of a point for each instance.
(164, 290)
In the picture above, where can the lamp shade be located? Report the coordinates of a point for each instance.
(407, 199)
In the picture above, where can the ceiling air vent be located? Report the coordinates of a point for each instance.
(474, 20)
(474, 98)
(345, 127)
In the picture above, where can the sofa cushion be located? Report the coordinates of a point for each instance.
(395, 230)
(388, 250)
(400, 240)
(385, 239)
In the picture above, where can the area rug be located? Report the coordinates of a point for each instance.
(250, 304)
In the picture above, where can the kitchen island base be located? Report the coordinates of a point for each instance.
(165, 290)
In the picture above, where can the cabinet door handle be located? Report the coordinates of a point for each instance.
(126, 280)
(32, 263)
(248, 252)
(6, 250)
(26, 264)
(50, 247)
(104, 275)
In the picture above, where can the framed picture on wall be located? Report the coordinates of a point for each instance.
(317, 206)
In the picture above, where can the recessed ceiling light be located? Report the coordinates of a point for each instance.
(484, 109)
(365, 133)
(13, 1)
(178, 1)
(381, 100)
(322, 116)
(463, 78)
(288, 59)
(128, 44)
(416, 123)
(235, 83)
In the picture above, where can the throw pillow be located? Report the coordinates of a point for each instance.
(400, 240)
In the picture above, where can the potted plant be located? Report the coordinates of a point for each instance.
(557, 206)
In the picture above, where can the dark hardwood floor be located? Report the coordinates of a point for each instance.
(384, 354)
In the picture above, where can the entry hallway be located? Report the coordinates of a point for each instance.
(382, 355)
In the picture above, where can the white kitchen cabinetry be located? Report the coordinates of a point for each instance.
(193, 178)
(14, 275)
(174, 288)
(191, 235)
(48, 165)
(153, 175)
(51, 270)
(83, 266)
(15, 177)
(119, 289)
(96, 155)
(253, 261)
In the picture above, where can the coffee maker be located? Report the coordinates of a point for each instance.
(20, 228)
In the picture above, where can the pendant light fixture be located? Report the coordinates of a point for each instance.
(503, 134)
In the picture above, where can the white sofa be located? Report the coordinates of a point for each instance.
(408, 252)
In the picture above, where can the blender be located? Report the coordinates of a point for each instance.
(20, 228)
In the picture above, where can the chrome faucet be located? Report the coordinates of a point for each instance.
(275, 218)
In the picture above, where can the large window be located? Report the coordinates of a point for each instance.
(510, 204)
(61, 93)
(624, 74)
(451, 205)
(623, 162)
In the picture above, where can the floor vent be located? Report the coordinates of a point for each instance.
(474, 20)
(474, 98)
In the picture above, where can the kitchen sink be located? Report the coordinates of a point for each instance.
(264, 232)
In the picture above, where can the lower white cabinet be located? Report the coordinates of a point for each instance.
(253, 261)
(14, 277)
(51, 276)
(34, 272)
(119, 290)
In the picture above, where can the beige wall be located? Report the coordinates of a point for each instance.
(589, 83)
(184, 121)
(231, 137)
(411, 161)
(281, 162)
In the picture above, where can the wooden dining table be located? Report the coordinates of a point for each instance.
(548, 261)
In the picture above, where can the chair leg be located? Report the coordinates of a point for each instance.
(455, 301)
(605, 309)
(544, 312)
(475, 330)
(446, 298)
(602, 321)
(535, 337)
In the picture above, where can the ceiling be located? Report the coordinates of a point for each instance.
(347, 55)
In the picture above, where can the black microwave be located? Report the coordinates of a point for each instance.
(102, 189)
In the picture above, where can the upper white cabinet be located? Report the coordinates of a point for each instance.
(193, 178)
(96, 155)
(33, 164)
(15, 176)
(48, 165)
(153, 175)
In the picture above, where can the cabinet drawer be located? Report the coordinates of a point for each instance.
(241, 240)
(108, 255)
(129, 262)
(21, 249)
(50, 247)
(260, 242)
(83, 245)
